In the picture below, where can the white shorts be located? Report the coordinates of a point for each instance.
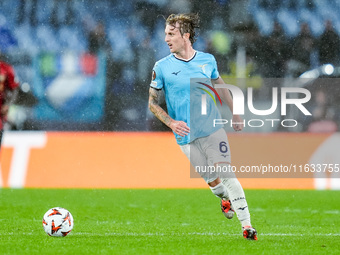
(207, 152)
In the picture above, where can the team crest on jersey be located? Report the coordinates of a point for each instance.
(153, 75)
(203, 67)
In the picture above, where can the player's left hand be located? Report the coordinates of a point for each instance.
(238, 123)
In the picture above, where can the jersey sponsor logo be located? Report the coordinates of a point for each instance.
(175, 73)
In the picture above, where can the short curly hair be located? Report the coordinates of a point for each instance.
(188, 22)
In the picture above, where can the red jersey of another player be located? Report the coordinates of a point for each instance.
(8, 82)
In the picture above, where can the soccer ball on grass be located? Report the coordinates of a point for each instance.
(57, 221)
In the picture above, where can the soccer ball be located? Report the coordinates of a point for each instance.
(57, 222)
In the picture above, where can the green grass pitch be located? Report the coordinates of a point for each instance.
(169, 221)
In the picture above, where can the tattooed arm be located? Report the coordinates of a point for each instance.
(179, 127)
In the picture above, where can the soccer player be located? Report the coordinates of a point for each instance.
(8, 91)
(204, 145)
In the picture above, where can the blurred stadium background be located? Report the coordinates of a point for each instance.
(86, 65)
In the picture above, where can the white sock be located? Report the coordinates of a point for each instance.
(238, 200)
(220, 191)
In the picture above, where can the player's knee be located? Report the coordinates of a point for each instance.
(214, 182)
(226, 171)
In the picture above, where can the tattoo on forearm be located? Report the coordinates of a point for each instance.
(154, 107)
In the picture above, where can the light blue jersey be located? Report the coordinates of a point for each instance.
(184, 100)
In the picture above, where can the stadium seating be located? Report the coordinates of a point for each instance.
(291, 13)
(117, 22)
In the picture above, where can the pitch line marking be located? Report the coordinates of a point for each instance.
(202, 234)
(179, 234)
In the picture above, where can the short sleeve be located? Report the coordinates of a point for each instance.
(214, 74)
(157, 77)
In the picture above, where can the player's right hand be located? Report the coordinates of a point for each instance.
(238, 126)
(180, 127)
